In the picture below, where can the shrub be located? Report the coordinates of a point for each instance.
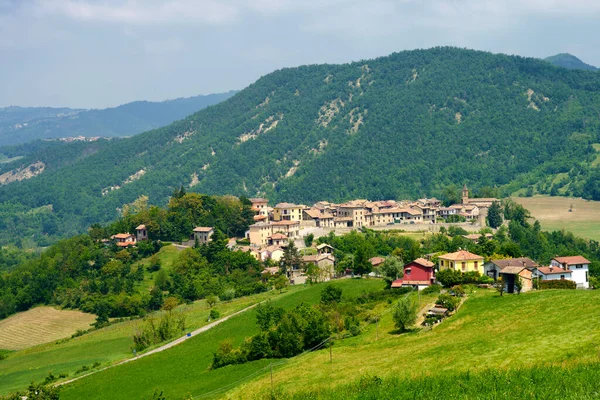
(447, 301)
(449, 277)
(484, 279)
(331, 294)
(457, 290)
(558, 284)
(226, 354)
(228, 294)
(435, 288)
(214, 314)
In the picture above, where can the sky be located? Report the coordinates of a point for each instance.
(101, 53)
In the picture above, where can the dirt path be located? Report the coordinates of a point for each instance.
(421, 315)
(164, 346)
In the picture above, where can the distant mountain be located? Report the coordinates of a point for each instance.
(410, 124)
(24, 124)
(569, 61)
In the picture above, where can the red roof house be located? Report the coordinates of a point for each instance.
(419, 273)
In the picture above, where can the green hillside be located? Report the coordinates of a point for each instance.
(24, 124)
(405, 125)
(490, 335)
(569, 61)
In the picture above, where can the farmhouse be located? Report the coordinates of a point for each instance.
(141, 233)
(462, 260)
(512, 275)
(579, 267)
(418, 274)
(493, 268)
(552, 273)
(124, 239)
(325, 262)
(202, 234)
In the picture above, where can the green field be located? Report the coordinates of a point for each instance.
(183, 369)
(104, 346)
(553, 327)
(553, 214)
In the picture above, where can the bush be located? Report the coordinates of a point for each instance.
(558, 284)
(457, 290)
(331, 294)
(435, 288)
(214, 314)
(228, 294)
(448, 302)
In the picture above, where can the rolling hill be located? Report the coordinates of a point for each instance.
(569, 61)
(24, 124)
(405, 125)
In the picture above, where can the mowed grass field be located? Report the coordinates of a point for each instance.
(41, 325)
(489, 332)
(184, 369)
(553, 214)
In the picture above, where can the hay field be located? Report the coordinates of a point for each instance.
(553, 214)
(41, 325)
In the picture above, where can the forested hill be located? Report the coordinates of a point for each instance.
(569, 61)
(404, 125)
(24, 124)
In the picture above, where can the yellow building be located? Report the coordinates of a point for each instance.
(287, 212)
(462, 261)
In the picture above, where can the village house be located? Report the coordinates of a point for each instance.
(278, 239)
(287, 212)
(552, 273)
(479, 202)
(324, 248)
(202, 234)
(271, 253)
(474, 237)
(141, 233)
(325, 262)
(493, 267)
(124, 239)
(353, 214)
(428, 213)
(418, 274)
(260, 232)
(579, 267)
(462, 260)
(260, 206)
(510, 275)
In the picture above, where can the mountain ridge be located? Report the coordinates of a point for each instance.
(410, 124)
(22, 124)
(569, 61)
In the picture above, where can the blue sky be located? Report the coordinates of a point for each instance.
(92, 53)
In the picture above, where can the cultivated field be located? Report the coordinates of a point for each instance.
(41, 325)
(553, 214)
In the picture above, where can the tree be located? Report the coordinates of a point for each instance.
(170, 303)
(308, 239)
(331, 294)
(391, 270)
(405, 313)
(495, 215)
(362, 265)
(499, 285)
(518, 284)
(156, 299)
(290, 260)
(281, 282)
(211, 300)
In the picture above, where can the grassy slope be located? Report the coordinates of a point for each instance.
(105, 346)
(553, 214)
(41, 325)
(489, 331)
(183, 369)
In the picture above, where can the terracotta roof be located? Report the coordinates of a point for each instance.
(258, 200)
(126, 244)
(323, 245)
(278, 236)
(343, 219)
(326, 216)
(287, 205)
(516, 262)
(285, 223)
(140, 227)
(376, 260)
(400, 282)
(260, 217)
(512, 270)
(572, 260)
(270, 270)
(424, 262)
(313, 213)
(203, 229)
(271, 249)
(310, 258)
(553, 270)
(476, 236)
(460, 255)
(122, 235)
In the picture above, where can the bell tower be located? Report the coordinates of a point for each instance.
(465, 194)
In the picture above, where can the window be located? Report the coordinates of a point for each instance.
(464, 266)
(407, 271)
(562, 277)
(579, 266)
(476, 264)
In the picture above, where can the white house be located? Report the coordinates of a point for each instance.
(552, 273)
(579, 267)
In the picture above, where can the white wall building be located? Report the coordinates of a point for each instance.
(579, 267)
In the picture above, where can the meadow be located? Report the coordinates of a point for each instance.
(184, 369)
(514, 332)
(553, 214)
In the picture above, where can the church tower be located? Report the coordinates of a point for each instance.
(465, 194)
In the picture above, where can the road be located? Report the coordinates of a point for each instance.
(164, 346)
